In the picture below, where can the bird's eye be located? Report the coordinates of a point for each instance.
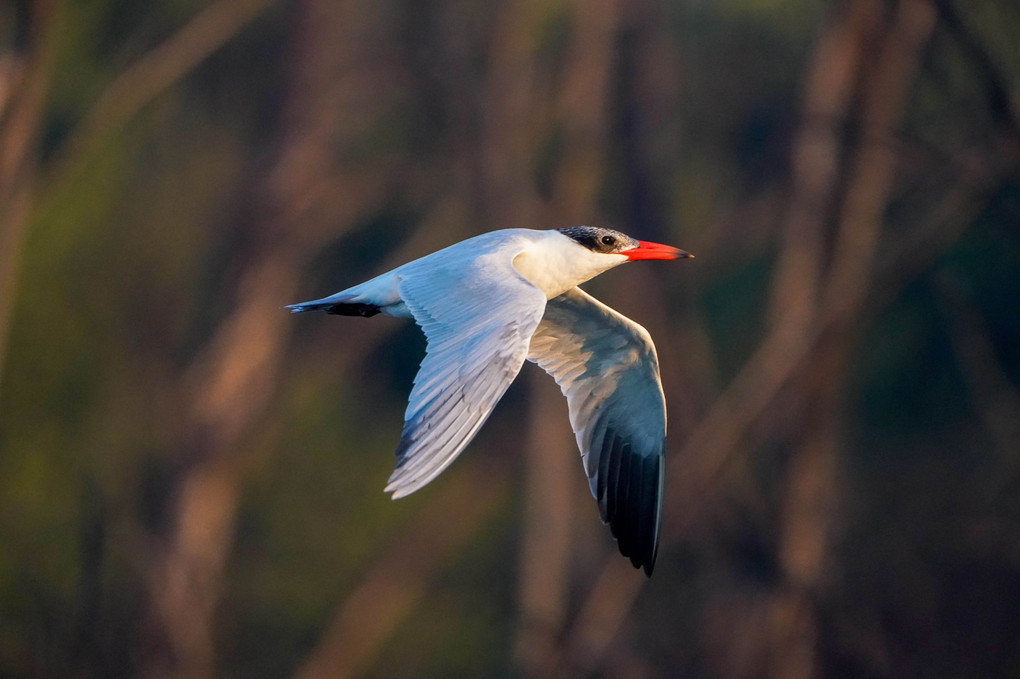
(608, 240)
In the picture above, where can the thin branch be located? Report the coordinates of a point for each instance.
(1000, 96)
(547, 537)
(155, 73)
(399, 581)
(28, 78)
(995, 398)
(835, 68)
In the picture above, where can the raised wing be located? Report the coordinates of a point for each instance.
(478, 319)
(606, 366)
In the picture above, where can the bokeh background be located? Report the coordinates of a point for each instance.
(191, 479)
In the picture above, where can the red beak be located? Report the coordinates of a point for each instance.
(646, 250)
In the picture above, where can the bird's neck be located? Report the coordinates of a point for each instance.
(555, 263)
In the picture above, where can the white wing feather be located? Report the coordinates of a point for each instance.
(478, 318)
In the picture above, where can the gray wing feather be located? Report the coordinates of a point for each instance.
(478, 321)
(606, 366)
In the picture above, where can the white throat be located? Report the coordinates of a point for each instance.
(555, 263)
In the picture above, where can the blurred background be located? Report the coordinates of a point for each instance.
(191, 479)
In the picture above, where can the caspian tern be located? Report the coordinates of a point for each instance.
(488, 303)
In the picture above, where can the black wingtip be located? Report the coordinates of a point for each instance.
(353, 309)
(649, 563)
(632, 501)
(337, 308)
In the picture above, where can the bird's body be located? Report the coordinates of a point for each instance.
(488, 303)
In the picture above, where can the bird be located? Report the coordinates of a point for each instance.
(490, 302)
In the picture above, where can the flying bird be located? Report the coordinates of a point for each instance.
(488, 303)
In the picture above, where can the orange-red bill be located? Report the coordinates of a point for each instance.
(646, 250)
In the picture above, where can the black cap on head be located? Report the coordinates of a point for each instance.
(598, 239)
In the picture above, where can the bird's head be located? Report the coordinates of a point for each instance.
(609, 242)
